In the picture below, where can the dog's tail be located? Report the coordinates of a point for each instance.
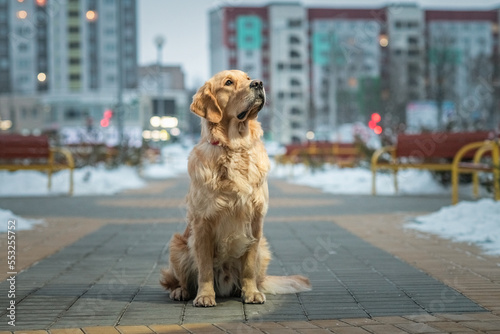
(285, 284)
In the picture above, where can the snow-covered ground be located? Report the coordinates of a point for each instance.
(173, 162)
(471, 222)
(20, 223)
(87, 181)
(358, 181)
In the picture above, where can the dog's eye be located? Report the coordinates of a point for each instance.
(228, 83)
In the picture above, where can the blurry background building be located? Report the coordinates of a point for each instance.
(323, 67)
(70, 67)
(270, 43)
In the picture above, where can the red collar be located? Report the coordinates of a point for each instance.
(214, 142)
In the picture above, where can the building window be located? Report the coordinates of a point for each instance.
(296, 111)
(294, 40)
(73, 13)
(74, 77)
(72, 114)
(73, 30)
(74, 45)
(413, 53)
(295, 82)
(296, 125)
(294, 54)
(74, 61)
(413, 40)
(294, 23)
(296, 66)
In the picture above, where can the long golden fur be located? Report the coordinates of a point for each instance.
(222, 251)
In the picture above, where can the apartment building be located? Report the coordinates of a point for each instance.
(270, 43)
(323, 67)
(73, 58)
(463, 48)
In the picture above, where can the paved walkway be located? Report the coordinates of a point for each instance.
(94, 268)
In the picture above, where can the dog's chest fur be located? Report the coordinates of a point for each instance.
(234, 190)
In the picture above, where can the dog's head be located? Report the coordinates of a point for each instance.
(228, 97)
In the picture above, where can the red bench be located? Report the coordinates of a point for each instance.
(341, 154)
(19, 152)
(431, 151)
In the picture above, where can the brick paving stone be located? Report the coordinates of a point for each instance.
(202, 328)
(417, 328)
(350, 330)
(134, 330)
(485, 316)
(482, 325)
(167, 329)
(66, 331)
(100, 330)
(383, 329)
(313, 331)
(31, 332)
(266, 325)
(449, 326)
(238, 328)
(422, 318)
(329, 323)
(360, 321)
(298, 324)
(390, 320)
(280, 331)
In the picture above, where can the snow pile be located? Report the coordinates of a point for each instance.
(21, 223)
(174, 160)
(358, 180)
(87, 181)
(471, 222)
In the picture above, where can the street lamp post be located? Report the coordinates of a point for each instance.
(159, 41)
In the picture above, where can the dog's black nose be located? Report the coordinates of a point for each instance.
(256, 84)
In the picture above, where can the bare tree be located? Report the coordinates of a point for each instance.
(443, 59)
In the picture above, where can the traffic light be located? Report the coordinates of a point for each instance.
(372, 124)
(106, 118)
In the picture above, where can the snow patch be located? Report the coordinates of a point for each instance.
(87, 181)
(21, 223)
(174, 159)
(358, 180)
(471, 222)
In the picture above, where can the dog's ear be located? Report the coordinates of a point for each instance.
(205, 104)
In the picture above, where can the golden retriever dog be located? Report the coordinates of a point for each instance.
(222, 252)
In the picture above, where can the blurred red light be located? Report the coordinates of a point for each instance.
(376, 117)
(105, 122)
(377, 130)
(108, 114)
(372, 124)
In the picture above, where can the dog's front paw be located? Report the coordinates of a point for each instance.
(179, 294)
(204, 301)
(254, 297)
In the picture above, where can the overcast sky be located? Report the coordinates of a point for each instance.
(184, 25)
